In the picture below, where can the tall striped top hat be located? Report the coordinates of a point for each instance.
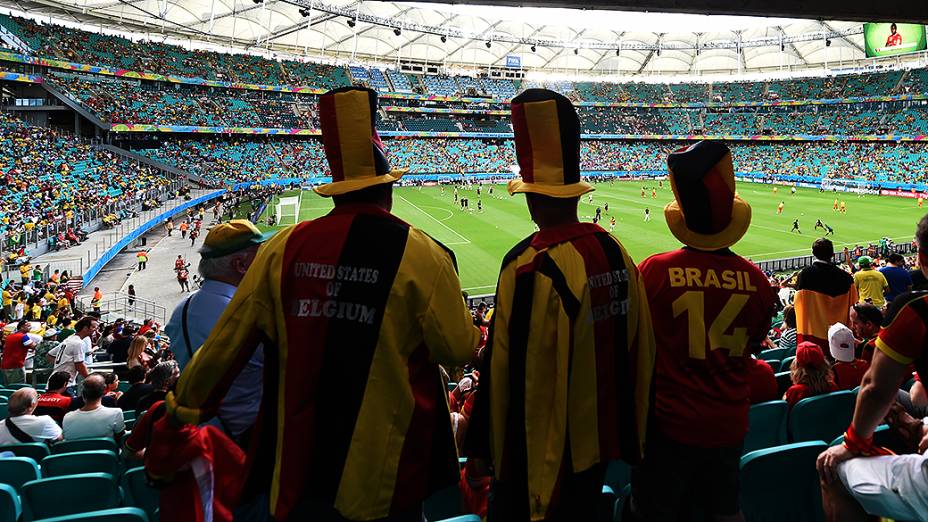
(547, 134)
(706, 214)
(356, 155)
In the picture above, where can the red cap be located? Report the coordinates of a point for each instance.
(809, 354)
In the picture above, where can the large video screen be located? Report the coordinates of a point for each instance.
(889, 39)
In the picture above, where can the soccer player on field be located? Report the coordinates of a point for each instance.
(796, 226)
(835, 207)
(711, 310)
(780, 208)
(647, 215)
(653, 193)
(612, 224)
(843, 208)
(775, 189)
(921, 201)
(565, 381)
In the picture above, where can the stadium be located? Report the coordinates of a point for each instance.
(215, 212)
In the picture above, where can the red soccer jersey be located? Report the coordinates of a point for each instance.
(14, 351)
(710, 311)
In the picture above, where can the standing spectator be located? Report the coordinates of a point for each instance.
(865, 323)
(897, 276)
(883, 485)
(69, 355)
(788, 335)
(56, 401)
(138, 388)
(182, 276)
(119, 348)
(400, 310)
(809, 373)
(179, 263)
(824, 293)
(15, 348)
(97, 299)
(22, 426)
(93, 419)
(184, 227)
(131, 292)
(702, 382)
(169, 226)
(848, 370)
(227, 252)
(7, 299)
(142, 258)
(193, 235)
(570, 307)
(870, 283)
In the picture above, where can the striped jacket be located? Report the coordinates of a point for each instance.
(824, 296)
(568, 369)
(355, 311)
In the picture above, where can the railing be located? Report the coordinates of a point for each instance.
(798, 263)
(121, 304)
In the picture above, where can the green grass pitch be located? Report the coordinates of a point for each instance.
(480, 239)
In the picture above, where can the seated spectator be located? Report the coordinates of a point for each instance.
(22, 426)
(897, 276)
(138, 388)
(810, 374)
(137, 355)
(119, 348)
(870, 284)
(93, 419)
(788, 336)
(848, 370)
(112, 386)
(865, 323)
(762, 381)
(56, 401)
(162, 378)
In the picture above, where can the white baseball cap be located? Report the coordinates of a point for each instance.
(841, 342)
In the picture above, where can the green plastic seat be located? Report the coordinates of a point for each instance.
(10, 507)
(139, 493)
(17, 386)
(4, 410)
(766, 425)
(72, 463)
(781, 483)
(607, 504)
(784, 381)
(89, 444)
(882, 436)
(786, 363)
(774, 365)
(123, 514)
(823, 417)
(69, 495)
(618, 475)
(34, 450)
(16, 471)
(442, 504)
(129, 415)
(773, 354)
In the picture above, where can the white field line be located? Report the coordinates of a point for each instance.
(464, 240)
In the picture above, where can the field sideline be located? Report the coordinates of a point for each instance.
(480, 239)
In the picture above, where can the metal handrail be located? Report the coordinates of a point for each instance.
(118, 304)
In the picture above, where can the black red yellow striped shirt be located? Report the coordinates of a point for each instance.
(568, 369)
(355, 310)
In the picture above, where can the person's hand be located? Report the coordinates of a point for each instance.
(828, 460)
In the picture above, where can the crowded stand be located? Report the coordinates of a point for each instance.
(55, 182)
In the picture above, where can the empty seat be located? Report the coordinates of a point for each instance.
(72, 463)
(69, 495)
(766, 425)
(445, 503)
(781, 483)
(125, 514)
(34, 450)
(823, 417)
(775, 353)
(90, 444)
(139, 493)
(10, 508)
(16, 471)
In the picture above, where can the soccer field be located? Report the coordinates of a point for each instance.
(480, 239)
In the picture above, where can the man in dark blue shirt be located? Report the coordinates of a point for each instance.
(897, 276)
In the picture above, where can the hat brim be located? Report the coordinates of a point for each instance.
(337, 188)
(740, 221)
(555, 191)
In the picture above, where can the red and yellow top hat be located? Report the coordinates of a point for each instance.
(547, 134)
(706, 213)
(356, 155)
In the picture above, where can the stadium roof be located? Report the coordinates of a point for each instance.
(553, 39)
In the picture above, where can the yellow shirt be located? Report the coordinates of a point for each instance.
(870, 285)
(52, 320)
(63, 303)
(7, 298)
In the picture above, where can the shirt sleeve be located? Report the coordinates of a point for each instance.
(119, 422)
(448, 328)
(902, 338)
(248, 318)
(50, 429)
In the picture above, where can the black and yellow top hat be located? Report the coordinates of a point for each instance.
(356, 155)
(707, 214)
(547, 134)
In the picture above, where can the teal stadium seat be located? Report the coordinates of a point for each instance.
(139, 493)
(781, 483)
(72, 494)
(443, 504)
(766, 425)
(883, 435)
(4, 410)
(72, 463)
(786, 363)
(774, 365)
(124, 514)
(773, 354)
(620, 503)
(607, 505)
(784, 381)
(618, 475)
(17, 386)
(823, 417)
(34, 450)
(10, 507)
(462, 518)
(89, 444)
(16, 471)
